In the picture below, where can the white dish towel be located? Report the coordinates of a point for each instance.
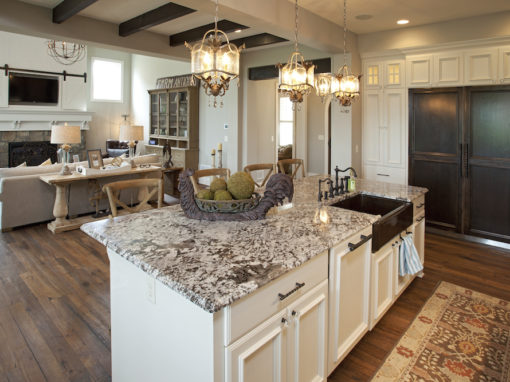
(409, 262)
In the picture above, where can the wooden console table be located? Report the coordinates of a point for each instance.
(60, 209)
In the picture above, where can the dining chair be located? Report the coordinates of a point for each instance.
(144, 195)
(216, 172)
(283, 164)
(269, 167)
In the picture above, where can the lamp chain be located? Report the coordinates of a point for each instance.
(216, 19)
(296, 27)
(345, 28)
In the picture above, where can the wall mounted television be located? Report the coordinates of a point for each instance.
(29, 89)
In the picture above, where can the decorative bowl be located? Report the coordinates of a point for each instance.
(228, 206)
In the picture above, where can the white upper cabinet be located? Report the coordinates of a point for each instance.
(481, 66)
(372, 126)
(419, 71)
(373, 75)
(504, 65)
(394, 128)
(394, 76)
(448, 69)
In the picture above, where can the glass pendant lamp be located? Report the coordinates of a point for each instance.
(296, 77)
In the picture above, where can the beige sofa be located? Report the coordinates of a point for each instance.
(25, 199)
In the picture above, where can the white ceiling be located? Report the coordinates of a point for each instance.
(384, 13)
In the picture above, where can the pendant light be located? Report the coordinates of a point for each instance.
(296, 77)
(349, 83)
(213, 62)
(66, 53)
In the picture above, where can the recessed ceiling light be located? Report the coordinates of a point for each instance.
(402, 22)
(238, 30)
(364, 17)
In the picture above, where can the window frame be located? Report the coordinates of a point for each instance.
(121, 62)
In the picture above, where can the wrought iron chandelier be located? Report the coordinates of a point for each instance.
(296, 77)
(214, 63)
(66, 53)
(343, 85)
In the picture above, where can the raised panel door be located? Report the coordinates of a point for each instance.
(307, 341)
(504, 65)
(419, 236)
(448, 70)
(349, 298)
(401, 282)
(481, 67)
(261, 354)
(382, 283)
(394, 137)
(419, 71)
(372, 153)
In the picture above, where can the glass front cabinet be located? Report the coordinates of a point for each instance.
(174, 119)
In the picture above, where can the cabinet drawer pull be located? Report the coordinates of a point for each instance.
(363, 240)
(284, 296)
(383, 174)
(420, 206)
(420, 219)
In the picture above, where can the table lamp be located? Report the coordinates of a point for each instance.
(131, 133)
(64, 135)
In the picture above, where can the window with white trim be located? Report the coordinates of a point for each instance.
(107, 78)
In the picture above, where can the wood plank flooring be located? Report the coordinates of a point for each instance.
(54, 304)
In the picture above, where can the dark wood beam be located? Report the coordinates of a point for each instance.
(68, 8)
(196, 34)
(258, 40)
(149, 19)
(322, 65)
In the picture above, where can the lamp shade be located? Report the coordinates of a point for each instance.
(131, 133)
(61, 134)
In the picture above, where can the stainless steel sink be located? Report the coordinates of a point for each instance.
(396, 215)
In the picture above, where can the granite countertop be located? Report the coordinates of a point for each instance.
(214, 264)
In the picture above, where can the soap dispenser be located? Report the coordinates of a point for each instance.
(352, 183)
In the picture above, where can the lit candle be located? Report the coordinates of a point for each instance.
(220, 147)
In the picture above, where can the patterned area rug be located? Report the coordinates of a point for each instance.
(459, 335)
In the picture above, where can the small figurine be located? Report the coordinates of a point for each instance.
(167, 150)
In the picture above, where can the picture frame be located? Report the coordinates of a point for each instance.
(95, 158)
(76, 158)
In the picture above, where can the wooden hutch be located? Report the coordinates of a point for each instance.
(174, 119)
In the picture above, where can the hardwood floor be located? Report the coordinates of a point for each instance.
(54, 304)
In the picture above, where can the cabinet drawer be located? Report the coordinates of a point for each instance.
(385, 174)
(246, 313)
(418, 206)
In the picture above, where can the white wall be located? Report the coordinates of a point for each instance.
(107, 116)
(26, 52)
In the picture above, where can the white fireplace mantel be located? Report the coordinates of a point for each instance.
(37, 120)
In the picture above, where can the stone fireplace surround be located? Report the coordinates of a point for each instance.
(35, 126)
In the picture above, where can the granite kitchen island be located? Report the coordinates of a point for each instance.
(247, 301)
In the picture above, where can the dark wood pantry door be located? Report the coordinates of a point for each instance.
(435, 133)
(487, 170)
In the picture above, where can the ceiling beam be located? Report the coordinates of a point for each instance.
(258, 40)
(69, 8)
(197, 33)
(167, 12)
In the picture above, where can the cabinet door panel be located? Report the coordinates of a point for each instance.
(260, 355)
(448, 70)
(307, 336)
(419, 71)
(394, 101)
(372, 128)
(480, 67)
(382, 283)
(349, 296)
(401, 282)
(394, 74)
(504, 65)
(419, 236)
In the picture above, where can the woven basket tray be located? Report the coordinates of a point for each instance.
(228, 206)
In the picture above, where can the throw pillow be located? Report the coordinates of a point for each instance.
(47, 162)
(24, 164)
